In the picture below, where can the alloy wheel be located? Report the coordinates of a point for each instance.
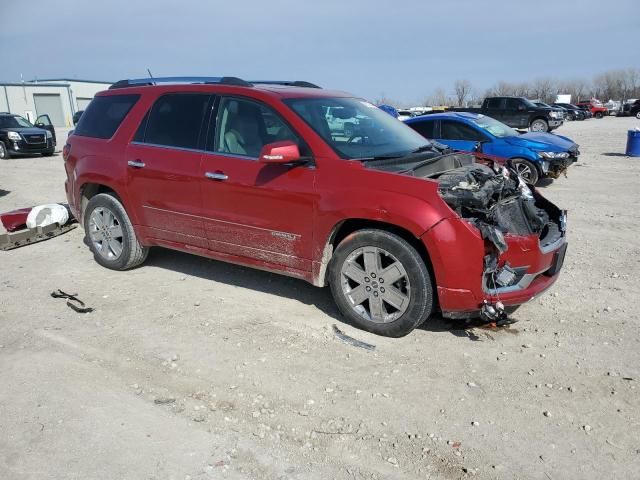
(375, 284)
(105, 233)
(3, 151)
(524, 171)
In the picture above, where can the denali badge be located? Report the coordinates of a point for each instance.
(287, 236)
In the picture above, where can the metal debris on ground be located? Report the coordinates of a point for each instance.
(72, 297)
(352, 341)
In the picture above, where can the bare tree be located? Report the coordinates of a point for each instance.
(463, 90)
(543, 89)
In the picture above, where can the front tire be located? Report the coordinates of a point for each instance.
(48, 154)
(599, 115)
(526, 169)
(380, 283)
(4, 152)
(539, 125)
(110, 234)
(638, 114)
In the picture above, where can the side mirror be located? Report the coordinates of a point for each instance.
(477, 147)
(280, 153)
(521, 108)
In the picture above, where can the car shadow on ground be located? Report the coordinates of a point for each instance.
(287, 287)
(4, 192)
(615, 154)
(544, 182)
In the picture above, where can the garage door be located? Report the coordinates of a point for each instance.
(50, 104)
(83, 103)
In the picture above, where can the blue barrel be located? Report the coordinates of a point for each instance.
(633, 143)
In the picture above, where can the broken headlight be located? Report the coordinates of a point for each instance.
(553, 155)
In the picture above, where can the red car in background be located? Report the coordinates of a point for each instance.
(596, 107)
(253, 173)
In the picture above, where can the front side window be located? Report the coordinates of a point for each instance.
(244, 127)
(356, 129)
(104, 115)
(174, 120)
(513, 103)
(459, 131)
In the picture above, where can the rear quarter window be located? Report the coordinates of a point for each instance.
(104, 115)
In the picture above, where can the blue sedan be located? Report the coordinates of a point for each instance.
(533, 155)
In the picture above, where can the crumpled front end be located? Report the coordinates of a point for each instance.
(505, 246)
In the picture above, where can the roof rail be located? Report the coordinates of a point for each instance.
(288, 83)
(155, 80)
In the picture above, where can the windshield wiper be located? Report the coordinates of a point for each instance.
(423, 148)
(379, 157)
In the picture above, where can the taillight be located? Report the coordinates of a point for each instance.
(66, 150)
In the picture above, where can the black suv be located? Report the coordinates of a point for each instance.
(19, 137)
(573, 112)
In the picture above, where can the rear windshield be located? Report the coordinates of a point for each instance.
(104, 115)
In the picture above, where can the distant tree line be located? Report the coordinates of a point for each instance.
(618, 85)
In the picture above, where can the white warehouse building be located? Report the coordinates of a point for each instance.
(59, 98)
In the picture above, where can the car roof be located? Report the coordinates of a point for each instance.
(268, 89)
(469, 116)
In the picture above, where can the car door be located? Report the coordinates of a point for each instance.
(254, 210)
(164, 168)
(495, 108)
(43, 121)
(459, 135)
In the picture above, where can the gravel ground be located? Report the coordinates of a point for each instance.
(191, 368)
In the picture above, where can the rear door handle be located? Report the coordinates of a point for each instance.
(135, 163)
(216, 176)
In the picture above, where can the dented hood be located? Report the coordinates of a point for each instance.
(547, 142)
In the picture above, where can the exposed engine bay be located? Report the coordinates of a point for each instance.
(493, 198)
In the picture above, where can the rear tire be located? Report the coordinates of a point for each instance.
(638, 114)
(380, 283)
(539, 125)
(110, 234)
(526, 169)
(4, 152)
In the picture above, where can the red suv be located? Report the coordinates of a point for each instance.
(254, 173)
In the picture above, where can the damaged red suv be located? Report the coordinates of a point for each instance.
(266, 174)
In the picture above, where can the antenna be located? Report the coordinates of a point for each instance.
(150, 75)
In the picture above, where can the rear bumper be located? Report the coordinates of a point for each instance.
(463, 285)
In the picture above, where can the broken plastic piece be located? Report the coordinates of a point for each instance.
(15, 219)
(72, 297)
(48, 214)
(495, 313)
(352, 341)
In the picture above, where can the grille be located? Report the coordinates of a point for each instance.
(34, 138)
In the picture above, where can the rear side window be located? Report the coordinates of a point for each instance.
(459, 131)
(494, 103)
(175, 120)
(427, 129)
(104, 115)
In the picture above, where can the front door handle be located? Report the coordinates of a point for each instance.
(216, 176)
(135, 163)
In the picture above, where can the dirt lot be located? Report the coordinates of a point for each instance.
(190, 368)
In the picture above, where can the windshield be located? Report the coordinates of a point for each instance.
(11, 121)
(494, 127)
(356, 129)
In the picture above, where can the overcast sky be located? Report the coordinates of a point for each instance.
(404, 49)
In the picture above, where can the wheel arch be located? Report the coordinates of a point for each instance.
(346, 227)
